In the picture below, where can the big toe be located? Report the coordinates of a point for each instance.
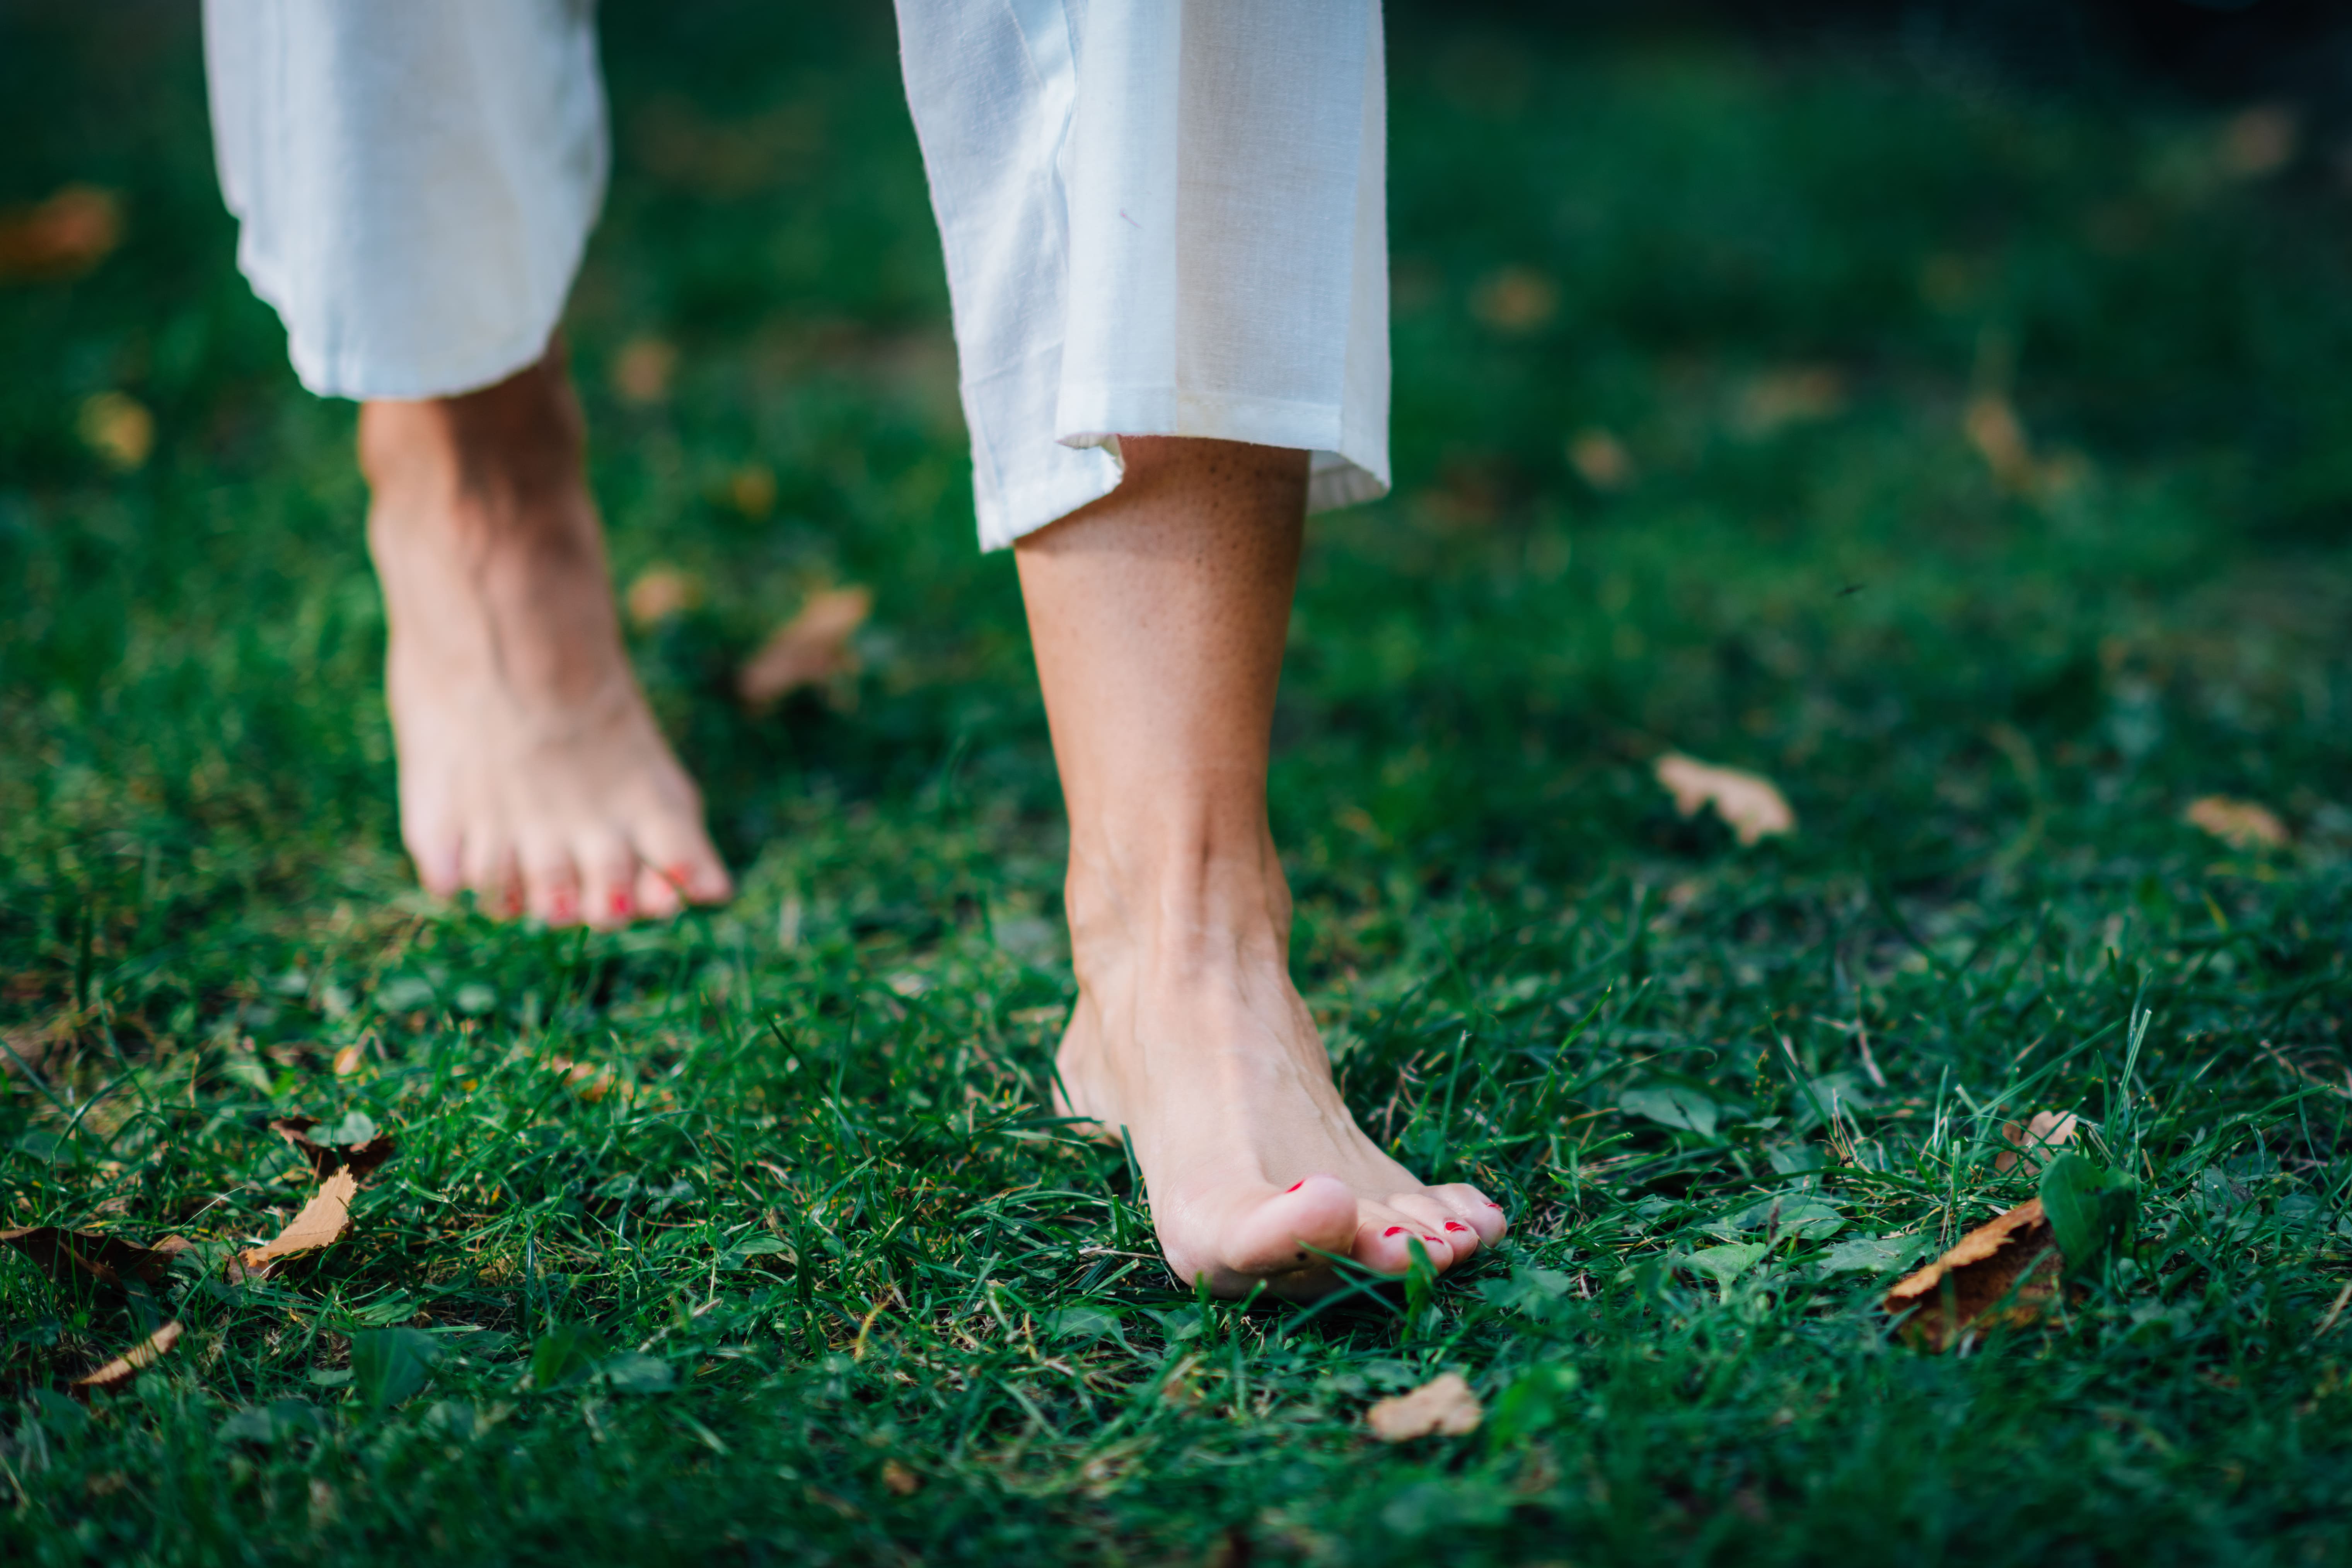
(1293, 1232)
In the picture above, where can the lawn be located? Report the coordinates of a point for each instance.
(1972, 462)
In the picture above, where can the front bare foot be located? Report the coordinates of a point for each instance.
(1189, 1036)
(531, 769)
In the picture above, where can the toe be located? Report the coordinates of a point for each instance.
(551, 882)
(494, 874)
(657, 897)
(608, 881)
(440, 865)
(1475, 1209)
(1384, 1239)
(1282, 1232)
(674, 843)
(1438, 1215)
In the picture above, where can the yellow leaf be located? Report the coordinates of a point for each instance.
(809, 650)
(2240, 824)
(1793, 396)
(349, 1060)
(1750, 805)
(119, 428)
(2000, 437)
(902, 1481)
(1443, 1405)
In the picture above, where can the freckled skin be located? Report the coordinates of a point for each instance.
(1158, 614)
(531, 769)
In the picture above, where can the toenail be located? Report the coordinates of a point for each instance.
(1293, 1186)
(1456, 1224)
(1393, 1230)
(620, 904)
(1430, 1238)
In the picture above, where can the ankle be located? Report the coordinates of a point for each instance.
(1178, 908)
(519, 440)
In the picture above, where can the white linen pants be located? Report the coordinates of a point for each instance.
(1161, 217)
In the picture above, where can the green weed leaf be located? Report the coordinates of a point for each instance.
(2093, 1212)
(389, 1366)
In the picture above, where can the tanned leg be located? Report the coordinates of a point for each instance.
(1159, 615)
(531, 769)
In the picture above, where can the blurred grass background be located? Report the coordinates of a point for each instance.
(1939, 411)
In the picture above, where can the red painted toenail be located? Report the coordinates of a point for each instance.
(1293, 1186)
(620, 904)
(1429, 1238)
(1456, 1224)
(1491, 1204)
(675, 875)
(1393, 1230)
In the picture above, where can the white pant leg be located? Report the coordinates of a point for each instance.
(1161, 217)
(413, 179)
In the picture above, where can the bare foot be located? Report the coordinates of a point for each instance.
(1158, 614)
(531, 769)
(1194, 1041)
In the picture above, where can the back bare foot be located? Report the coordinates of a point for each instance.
(1158, 614)
(531, 769)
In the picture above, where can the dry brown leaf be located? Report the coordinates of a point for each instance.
(118, 428)
(809, 650)
(326, 1159)
(592, 1083)
(61, 1254)
(349, 1061)
(1443, 1405)
(642, 370)
(1601, 459)
(753, 489)
(323, 1222)
(2045, 1134)
(1750, 805)
(61, 237)
(1795, 396)
(115, 1373)
(1515, 299)
(1999, 435)
(2015, 1250)
(2260, 141)
(658, 592)
(2242, 825)
(902, 1481)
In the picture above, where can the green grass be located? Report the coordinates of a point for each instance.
(820, 1213)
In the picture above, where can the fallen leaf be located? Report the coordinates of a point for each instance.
(2242, 825)
(902, 1481)
(1751, 805)
(2260, 141)
(349, 1061)
(2000, 437)
(592, 1083)
(118, 428)
(2016, 1250)
(326, 1159)
(61, 1254)
(809, 650)
(323, 1222)
(641, 371)
(1515, 299)
(1601, 459)
(753, 489)
(1795, 396)
(2046, 1133)
(63, 237)
(115, 1373)
(1443, 1405)
(658, 592)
